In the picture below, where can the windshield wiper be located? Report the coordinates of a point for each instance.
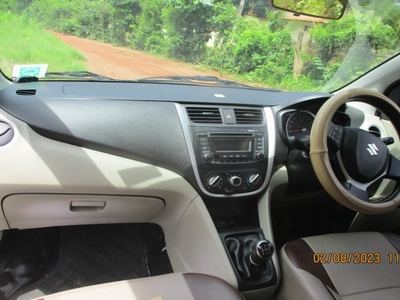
(77, 74)
(199, 80)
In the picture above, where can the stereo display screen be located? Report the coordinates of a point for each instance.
(231, 144)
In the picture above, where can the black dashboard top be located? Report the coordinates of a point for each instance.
(160, 92)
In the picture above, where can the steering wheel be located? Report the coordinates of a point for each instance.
(363, 158)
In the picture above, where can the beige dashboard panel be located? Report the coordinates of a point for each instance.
(35, 165)
(43, 210)
(32, 164)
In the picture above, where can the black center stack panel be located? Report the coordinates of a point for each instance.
(230, 148)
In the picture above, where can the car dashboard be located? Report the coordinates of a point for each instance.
(204, 163)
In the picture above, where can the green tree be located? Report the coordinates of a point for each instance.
(188, 25)
(123, 15)
(340, 48)
(148, 33)
(255, 8)
(276, 21)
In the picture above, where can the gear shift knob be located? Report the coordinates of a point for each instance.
(262, 251)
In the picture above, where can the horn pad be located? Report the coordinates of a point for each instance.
(364, 155)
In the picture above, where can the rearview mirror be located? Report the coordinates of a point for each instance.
(328, 9)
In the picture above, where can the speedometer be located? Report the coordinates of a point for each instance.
(299, 124)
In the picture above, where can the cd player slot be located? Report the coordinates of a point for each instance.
(230, 134)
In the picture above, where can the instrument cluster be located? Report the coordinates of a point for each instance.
(298, 124)
(295, 124)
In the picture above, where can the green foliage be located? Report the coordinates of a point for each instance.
(362, 37)
(224, 20)
(328, 8)
(104, 20)
(259, 47)
(255, 52)
(15, 6)
(255, 8)
(188, 25)
(148, 33)
(392, 19)
(259, 8)
(82, 18)
(276, 21)
(34, 45)
(301, 83)
(7, 5)
(334, 37)
(213, 35)
(123, 15)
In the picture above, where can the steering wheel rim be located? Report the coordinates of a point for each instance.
(319, 153)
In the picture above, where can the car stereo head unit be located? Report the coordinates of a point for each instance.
(222, 147)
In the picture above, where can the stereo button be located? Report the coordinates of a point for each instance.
(259, 156)
(207, 156)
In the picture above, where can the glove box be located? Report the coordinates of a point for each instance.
(44, 210)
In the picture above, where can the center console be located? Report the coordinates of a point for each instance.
(232, 151)
(231, 148)
(230, 162)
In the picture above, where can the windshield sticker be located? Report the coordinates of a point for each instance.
(29, 70)
(219, 95)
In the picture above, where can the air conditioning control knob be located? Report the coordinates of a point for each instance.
(254, 179)
(235, 180)
(214, 180)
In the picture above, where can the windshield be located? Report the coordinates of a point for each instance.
(246, 41)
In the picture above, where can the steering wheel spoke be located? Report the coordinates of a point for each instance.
(393, 171)
(335, 135)
(359, 192)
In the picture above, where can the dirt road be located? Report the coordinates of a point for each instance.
(123, 63)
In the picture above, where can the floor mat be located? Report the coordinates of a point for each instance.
(96, 254)
(26, 256)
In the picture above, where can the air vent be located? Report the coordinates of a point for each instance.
(204, 115)
(248, 116)
(26, 92)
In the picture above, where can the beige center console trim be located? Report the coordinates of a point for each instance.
(194, 236)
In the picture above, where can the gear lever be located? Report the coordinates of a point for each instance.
(262, 251)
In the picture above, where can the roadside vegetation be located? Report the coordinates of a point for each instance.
(244, 38)
(34, 45)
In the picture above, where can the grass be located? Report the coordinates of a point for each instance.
(24, 42)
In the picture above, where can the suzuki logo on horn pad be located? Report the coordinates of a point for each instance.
(365, 157)
(373, 149)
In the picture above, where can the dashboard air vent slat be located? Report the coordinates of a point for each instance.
(31, 92)
(248, 116)
(204, 115)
